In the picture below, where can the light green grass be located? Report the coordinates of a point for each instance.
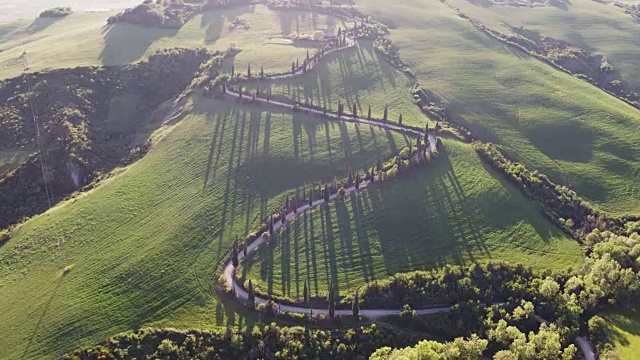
(454, 211)
(624, 330)
(568, 129)
(144, 247)
(20, 9)
(84, 39)
(11, 159)
(602, 28)
(357, 75)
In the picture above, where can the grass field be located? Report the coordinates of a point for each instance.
(144, 246)
(551, 121)
(20, 9)
(10, 159)
(454, 211)
(357, 75)
(600, 28)
(624, 329)
(84, 39)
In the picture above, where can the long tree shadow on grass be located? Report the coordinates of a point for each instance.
(40, 24)
(126, 43)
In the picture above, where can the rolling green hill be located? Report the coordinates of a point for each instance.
(356, 75)
(454, 211)
(144, 247)
(84, 39)
(598, 27)
(566, 128)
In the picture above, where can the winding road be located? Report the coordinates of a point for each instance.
(230, 272)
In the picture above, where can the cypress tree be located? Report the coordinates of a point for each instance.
(355, 309)
(357, 181)
(295, 205)
(307, 56)
(287, 204)
(339, 108)
(369, 114)
(224, 87)
(261, 71)
(297, 63)
(234, 260)
(249, 71)
(350, 178)
(293, 67)
(305, 293)
(339, 31)
(251, 298)
(244, 249)
(310, 197)
(386, 113)
(326, 194)
(332, 304)
(372, 176)
(271, 225)
(233, 70)
(344, 39)
(355, 110)
(240, 92)
(400, 119)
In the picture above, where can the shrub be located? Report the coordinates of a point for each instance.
(56, 12)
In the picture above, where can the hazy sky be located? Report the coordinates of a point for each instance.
(29, 9)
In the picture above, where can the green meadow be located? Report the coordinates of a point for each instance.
(600, 28)
(85, 39)
(572, 131)
(624, 330)
(455, 211)
(144, 247)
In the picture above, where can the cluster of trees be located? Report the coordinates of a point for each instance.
(89, 119)
(609, 276)
(170, 14)
(562, 204)
(56, 12)
(259, 342)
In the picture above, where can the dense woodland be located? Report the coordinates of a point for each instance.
(259, 342)
(89, 119)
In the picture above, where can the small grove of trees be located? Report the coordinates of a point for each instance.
(56, 12)
(162, 14)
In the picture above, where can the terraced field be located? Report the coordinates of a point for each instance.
(144, 247)
(551, 121)
(85, 39)
(454, 211)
